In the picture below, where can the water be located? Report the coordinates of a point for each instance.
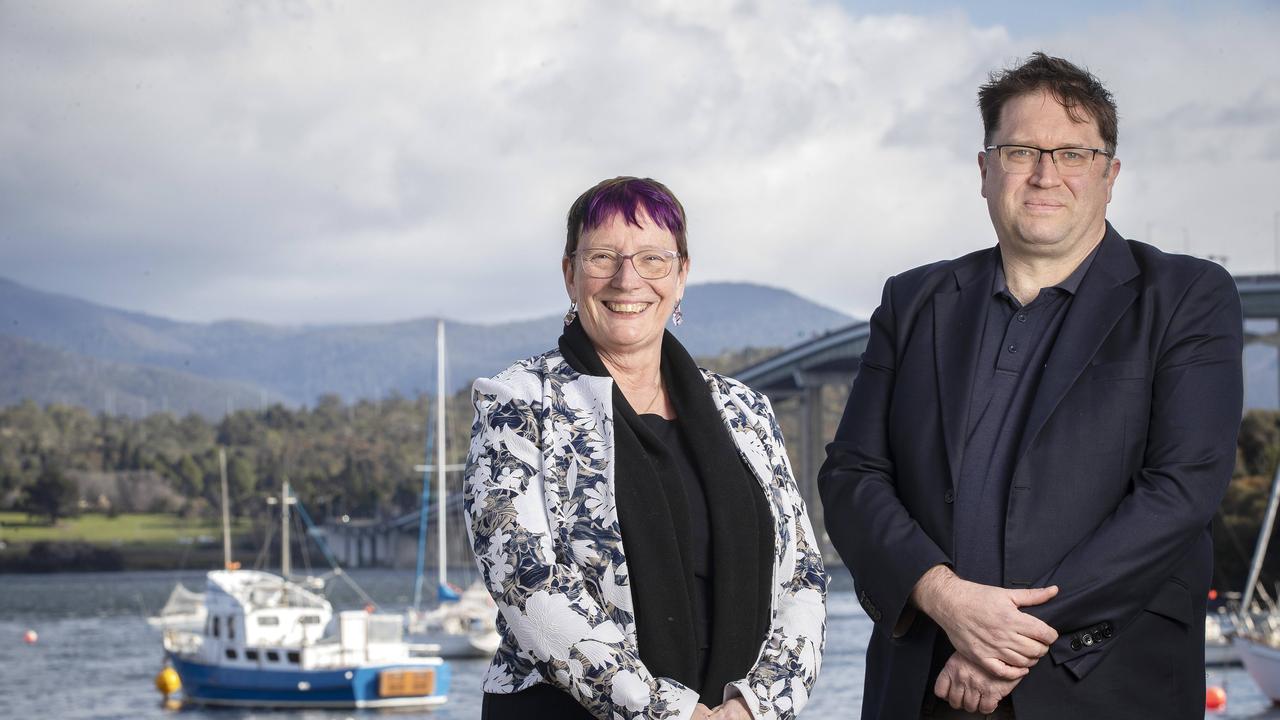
(97, 657)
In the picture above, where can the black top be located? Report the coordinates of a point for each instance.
(655, 518)
(1015, 345)
(669, 432)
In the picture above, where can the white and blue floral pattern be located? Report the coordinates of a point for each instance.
(539, 498)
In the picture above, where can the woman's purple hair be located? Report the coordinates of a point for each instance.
(622, 196)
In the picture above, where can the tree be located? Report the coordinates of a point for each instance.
(53, 494)
(1258, 442)
(240, 484)
(190, 478)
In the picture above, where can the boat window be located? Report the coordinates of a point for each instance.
(231, 627)
(268, 620)
(251, 655)
(294, 657)
(273, 656)
(309, 619)
(216, 625)
(231, 654)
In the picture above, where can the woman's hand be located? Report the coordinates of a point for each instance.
(735, 709)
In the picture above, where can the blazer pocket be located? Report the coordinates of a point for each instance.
(1123, 370)
(1172, 601)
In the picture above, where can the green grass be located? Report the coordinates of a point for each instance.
(126, 528)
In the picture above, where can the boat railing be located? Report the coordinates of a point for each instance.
(1260, 622)
(182, 642)
(423, 649)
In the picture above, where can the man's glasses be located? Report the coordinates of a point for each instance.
(1070, 161)
(650, 264)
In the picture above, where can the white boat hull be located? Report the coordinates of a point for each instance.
(1218, 654)
(1262, 662)
(452, 646)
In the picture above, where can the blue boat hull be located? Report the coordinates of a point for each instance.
(355, 687)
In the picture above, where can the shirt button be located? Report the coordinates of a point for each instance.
(948, 497)
(1022, 317)
(1013, 348)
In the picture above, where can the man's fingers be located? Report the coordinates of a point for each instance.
(1002, 670)
(942, 687)
(956, 697)
(1035, 629)
(971, 699)
(1033, 596)
(1022, 651)
(988, 704)
(1015, 658)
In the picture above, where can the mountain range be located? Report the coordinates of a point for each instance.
(57, 348)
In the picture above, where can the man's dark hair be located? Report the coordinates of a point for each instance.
(1076, 89)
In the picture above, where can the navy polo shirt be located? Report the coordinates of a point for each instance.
(1016, 342)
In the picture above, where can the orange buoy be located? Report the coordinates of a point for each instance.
(30, 637)
(1213, 594)
(370, 608)
(1215, 698)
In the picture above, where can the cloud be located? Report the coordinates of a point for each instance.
(325, 161)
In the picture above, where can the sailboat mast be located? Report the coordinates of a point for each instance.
(440, 455)
(284, 530)
(1264, 539)
(226, 511)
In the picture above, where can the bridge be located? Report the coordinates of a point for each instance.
(808, 383)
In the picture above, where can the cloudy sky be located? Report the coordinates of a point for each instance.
(340, 161)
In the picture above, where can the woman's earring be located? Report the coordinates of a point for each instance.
(677, 316)
(573, 313)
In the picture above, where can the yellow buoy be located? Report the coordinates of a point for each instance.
(168, 682)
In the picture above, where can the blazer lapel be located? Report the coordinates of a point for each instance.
(747, 430)
(958, 317)
(1103, 297)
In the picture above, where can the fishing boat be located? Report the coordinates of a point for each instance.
(270, 641)
(462, 624)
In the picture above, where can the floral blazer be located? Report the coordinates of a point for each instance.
(539, 498)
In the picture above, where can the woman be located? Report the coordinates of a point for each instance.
(634, 517)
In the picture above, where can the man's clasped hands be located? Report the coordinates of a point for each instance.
(996, 642)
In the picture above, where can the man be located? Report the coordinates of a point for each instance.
(1036, 442)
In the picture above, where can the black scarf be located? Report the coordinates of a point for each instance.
(653, 512)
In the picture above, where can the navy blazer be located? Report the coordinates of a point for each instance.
(1127, 451)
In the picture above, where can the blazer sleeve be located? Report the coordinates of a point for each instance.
(884, 547)
(1197, 391)
(541, 594)
(777, 687)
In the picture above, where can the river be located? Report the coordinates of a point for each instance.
(97, 658)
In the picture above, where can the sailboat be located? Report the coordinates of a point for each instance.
(269, 641)
(1257, 631)
(461, 624)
